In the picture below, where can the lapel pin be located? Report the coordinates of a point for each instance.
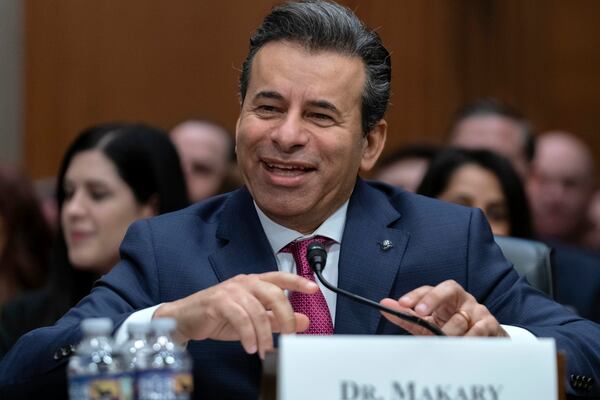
(386, 245)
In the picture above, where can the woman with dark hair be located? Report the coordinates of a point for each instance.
(482, 179)
(25, 237)
(110, 176)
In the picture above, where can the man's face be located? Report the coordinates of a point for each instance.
(592, 236)
(495, 133)
(204, 154)
(298, 138)
(560, 187)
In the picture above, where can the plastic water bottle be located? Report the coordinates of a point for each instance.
(168, 372)
(93, 372)
(134, 354)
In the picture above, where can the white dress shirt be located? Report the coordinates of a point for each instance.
(333, 228)
(280, 236)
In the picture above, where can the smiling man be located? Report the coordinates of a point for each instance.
(299, 136)
(314, 90)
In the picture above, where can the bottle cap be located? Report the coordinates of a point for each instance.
(96, 326)
(138, 327)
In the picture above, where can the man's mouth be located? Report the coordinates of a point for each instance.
(291, 169)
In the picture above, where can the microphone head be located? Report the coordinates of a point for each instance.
(316, 256)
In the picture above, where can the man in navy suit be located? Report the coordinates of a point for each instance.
(314, 90)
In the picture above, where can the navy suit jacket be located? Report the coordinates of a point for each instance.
(174, 255)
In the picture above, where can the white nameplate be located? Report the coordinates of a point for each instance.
(415, 368)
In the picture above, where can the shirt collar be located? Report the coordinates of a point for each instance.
(279, 236)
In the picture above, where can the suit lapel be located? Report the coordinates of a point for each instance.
(245, 248)
(365, 266)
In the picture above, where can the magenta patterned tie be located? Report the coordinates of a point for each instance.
(314, 305)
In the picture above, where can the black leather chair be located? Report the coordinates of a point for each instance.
(531, 259)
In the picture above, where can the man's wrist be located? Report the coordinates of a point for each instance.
(518, 333)
(165, 310)
(169, 310)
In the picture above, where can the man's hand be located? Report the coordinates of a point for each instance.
(248, 308)
(448, 306)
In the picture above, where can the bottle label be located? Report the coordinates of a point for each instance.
(164, 384)
(127, 379)
(95, 387)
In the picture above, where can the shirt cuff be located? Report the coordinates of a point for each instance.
(516, 333)
(144, 315)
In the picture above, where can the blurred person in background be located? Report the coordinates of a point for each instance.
(557, 195)
(45, 189)
(405, 167)
(493, 125)
(111, 176)
(591, 240)
(207, 156)
(483, 179)
(480, 179)
(25, 236)
(561, 188)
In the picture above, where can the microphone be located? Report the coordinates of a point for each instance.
(317, 256)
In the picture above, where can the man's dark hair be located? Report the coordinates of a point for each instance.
(484, 107)
(321, 25)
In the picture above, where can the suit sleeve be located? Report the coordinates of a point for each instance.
(130, 286)
(493, 281)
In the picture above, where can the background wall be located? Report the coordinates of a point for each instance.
(166, 60)
(11, 60)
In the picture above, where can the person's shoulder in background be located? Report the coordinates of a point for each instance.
(577, 279)
(28, 311)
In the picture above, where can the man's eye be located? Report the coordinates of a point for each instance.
(321, 119)
(320, 116)
(266, 110)
(201, 169)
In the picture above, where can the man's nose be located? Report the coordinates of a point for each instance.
(556, 189)
(291, 134)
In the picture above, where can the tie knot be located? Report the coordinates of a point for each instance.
(298, 249)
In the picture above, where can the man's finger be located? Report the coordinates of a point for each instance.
(289, 281)
(457, 325)
(240, 323)
(445, 299)
(302, 322)
(274, 299)
(261, 322)
(413, 328)
(410, 299)
(484, 323)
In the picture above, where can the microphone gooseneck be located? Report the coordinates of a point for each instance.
(317, 256)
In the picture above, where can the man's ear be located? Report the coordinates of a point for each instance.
(373, 146)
